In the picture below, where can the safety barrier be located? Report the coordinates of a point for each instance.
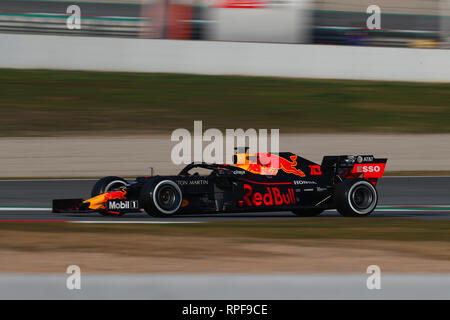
(224, 58)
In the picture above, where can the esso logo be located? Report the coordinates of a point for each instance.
(372, 170)
(369, 169)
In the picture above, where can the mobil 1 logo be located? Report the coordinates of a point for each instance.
(122, 205)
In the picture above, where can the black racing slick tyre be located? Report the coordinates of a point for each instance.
(161, 198)
(307, 212)
(107, 184)
(355, 198)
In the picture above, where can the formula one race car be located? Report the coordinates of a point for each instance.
(346, 183)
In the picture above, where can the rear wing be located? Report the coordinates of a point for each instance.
(360, 166)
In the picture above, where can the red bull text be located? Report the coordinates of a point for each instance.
(271, 197)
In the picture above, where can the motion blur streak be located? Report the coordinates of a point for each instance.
(403, 23)
(218, 286)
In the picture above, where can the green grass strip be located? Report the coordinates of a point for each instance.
(47, 103)
(394, 229)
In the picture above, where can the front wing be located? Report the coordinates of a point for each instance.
(79, 206)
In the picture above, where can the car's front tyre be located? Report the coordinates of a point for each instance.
(107, 184)
(161, 198)
(355, 198)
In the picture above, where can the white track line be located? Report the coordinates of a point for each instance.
(24, 209)
(412, 210)
(409, 207)
(48, 180)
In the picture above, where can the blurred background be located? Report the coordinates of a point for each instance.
(405, 23)
(79, 104)
(207, 72)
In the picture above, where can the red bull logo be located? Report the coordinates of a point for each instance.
(269, 164)
(272, 196)
(290, 166)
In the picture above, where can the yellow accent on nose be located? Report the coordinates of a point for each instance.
(96, 202)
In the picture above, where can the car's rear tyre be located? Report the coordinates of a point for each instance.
(307, 212)
(355, 198)
(107, 184)
(161, 198)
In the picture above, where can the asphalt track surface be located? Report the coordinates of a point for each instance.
(30, 200)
